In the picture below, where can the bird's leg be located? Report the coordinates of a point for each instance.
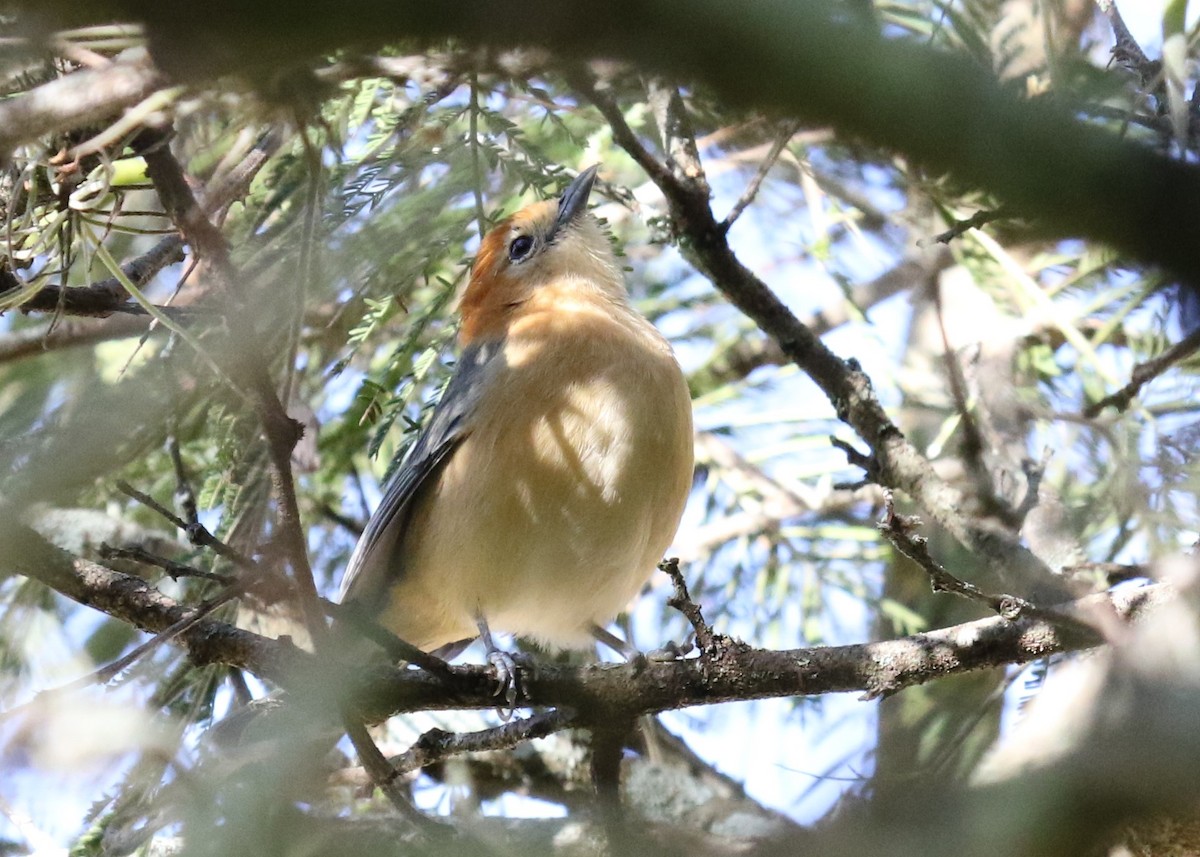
(502, 662)
(670, 652)
(624, 648)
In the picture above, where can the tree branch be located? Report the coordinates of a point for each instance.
(704, 243)
(104, 297)
(746, 355)
(282, 432)
(1144, 373)
(736, 671)
(51, 336)
(899, 530)
(80, 98)
(135, 601)
(806, 58)
(730, 671)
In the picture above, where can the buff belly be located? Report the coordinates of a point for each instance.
(567, 537)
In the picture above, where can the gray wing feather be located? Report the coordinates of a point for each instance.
(372, 569)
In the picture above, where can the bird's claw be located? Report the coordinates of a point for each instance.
(508, 682)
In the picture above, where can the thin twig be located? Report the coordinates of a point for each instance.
(351, 525)
(682, 601)
(900, 531)
(869, 464)
(437, 745)
(197, 534)
(760, 175)
(1034, 472)
(308, 251)
(747, 354)
(152, 504)
(1114, 572)
(254, 577)
(241, 690)
(1144, 373)
(971, 452)
(105, 297)
(111, 670)
(387, 780)
(1159, 124)
(623, 135)
(960, 227)
(174, 570)
(396, 648)
(185, 497)
(102, 253)
(200, 611)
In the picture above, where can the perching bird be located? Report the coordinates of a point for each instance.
(553, 473)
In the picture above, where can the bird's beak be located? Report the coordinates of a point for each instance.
(574, 199)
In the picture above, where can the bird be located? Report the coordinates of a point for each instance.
(553, 473)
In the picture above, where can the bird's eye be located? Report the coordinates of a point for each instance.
(520, 247)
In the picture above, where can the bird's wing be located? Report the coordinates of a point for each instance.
(371, 569)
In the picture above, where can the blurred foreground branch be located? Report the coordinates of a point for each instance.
(810, 60)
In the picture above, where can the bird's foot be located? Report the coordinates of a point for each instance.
(672, 651)
(508, 680)
(508, 676)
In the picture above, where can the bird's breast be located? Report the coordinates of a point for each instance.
(570, 485)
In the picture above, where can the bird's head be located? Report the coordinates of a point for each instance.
(554, 241)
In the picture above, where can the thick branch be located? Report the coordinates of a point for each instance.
(739, 672)
(732, 671)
